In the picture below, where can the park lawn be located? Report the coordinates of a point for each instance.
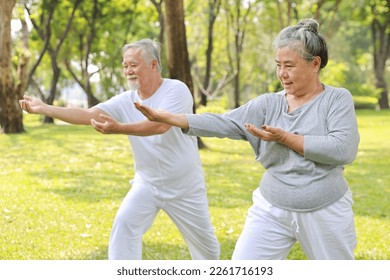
(61, 186)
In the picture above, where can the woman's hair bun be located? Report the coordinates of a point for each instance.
(309, 24)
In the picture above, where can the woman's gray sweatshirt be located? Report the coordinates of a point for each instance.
(292, 181)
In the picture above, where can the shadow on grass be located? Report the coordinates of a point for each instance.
(88, 189)
(164, 251)
(151, 251)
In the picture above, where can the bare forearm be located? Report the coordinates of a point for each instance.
(145, 128)
(178, 120)
(70, 115)
(294, 142)
(67, 114)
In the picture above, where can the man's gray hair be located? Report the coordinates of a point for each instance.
(151, 50)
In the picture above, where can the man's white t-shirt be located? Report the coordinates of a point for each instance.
(168, 163)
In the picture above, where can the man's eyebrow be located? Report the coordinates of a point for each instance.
(129, 62)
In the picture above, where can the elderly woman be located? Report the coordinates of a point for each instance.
(303, 136)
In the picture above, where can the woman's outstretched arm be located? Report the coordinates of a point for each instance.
(178, 120)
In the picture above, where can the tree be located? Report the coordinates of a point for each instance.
(177, 52)
(237, 20)
(45, 28)
(203, 37)
(214, 6)
(86, 34)
(380, 29)
(99, 30)
(158, 6)
(11, 117)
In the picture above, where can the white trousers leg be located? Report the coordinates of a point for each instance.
(191, 216)
(138, 211)
(270, 232)
(329, 234)
(134, 217)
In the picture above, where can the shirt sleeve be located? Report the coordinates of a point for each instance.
(339, 146)
(113, 106)
(231, 124)
(177, 100)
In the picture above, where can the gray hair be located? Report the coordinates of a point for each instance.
(150, 50)
(305, 39)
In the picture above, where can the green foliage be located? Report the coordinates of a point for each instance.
(218, 106)
(345, 24)
(115, 23)
(61, 186)
(338, 74)
(335, 73)
(365, 102)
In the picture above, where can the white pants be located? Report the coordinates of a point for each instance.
(270, 232)
(138, 211)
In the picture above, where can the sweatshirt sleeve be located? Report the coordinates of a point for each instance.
(215, 125)
(229, 125)
(339, 146)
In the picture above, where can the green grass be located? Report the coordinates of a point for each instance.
(61, 186)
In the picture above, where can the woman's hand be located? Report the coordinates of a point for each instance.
(152, 115)
(178, 120)
(268, 133)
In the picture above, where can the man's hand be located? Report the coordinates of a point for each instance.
(31, 105)
(110, 126)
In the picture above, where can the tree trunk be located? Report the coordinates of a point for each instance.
(213, 13)
(238, 19)
(158, 6)
(177, 52)
(11, 117)
(384, 98)
(381, 44)
(236, 92)
(53, 85)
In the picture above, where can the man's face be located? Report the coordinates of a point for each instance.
(134, 68)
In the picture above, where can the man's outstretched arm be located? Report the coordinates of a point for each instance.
(70, 115)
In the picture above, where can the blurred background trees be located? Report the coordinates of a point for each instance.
(68, 52)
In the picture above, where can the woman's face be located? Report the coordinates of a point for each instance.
(297, 75)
